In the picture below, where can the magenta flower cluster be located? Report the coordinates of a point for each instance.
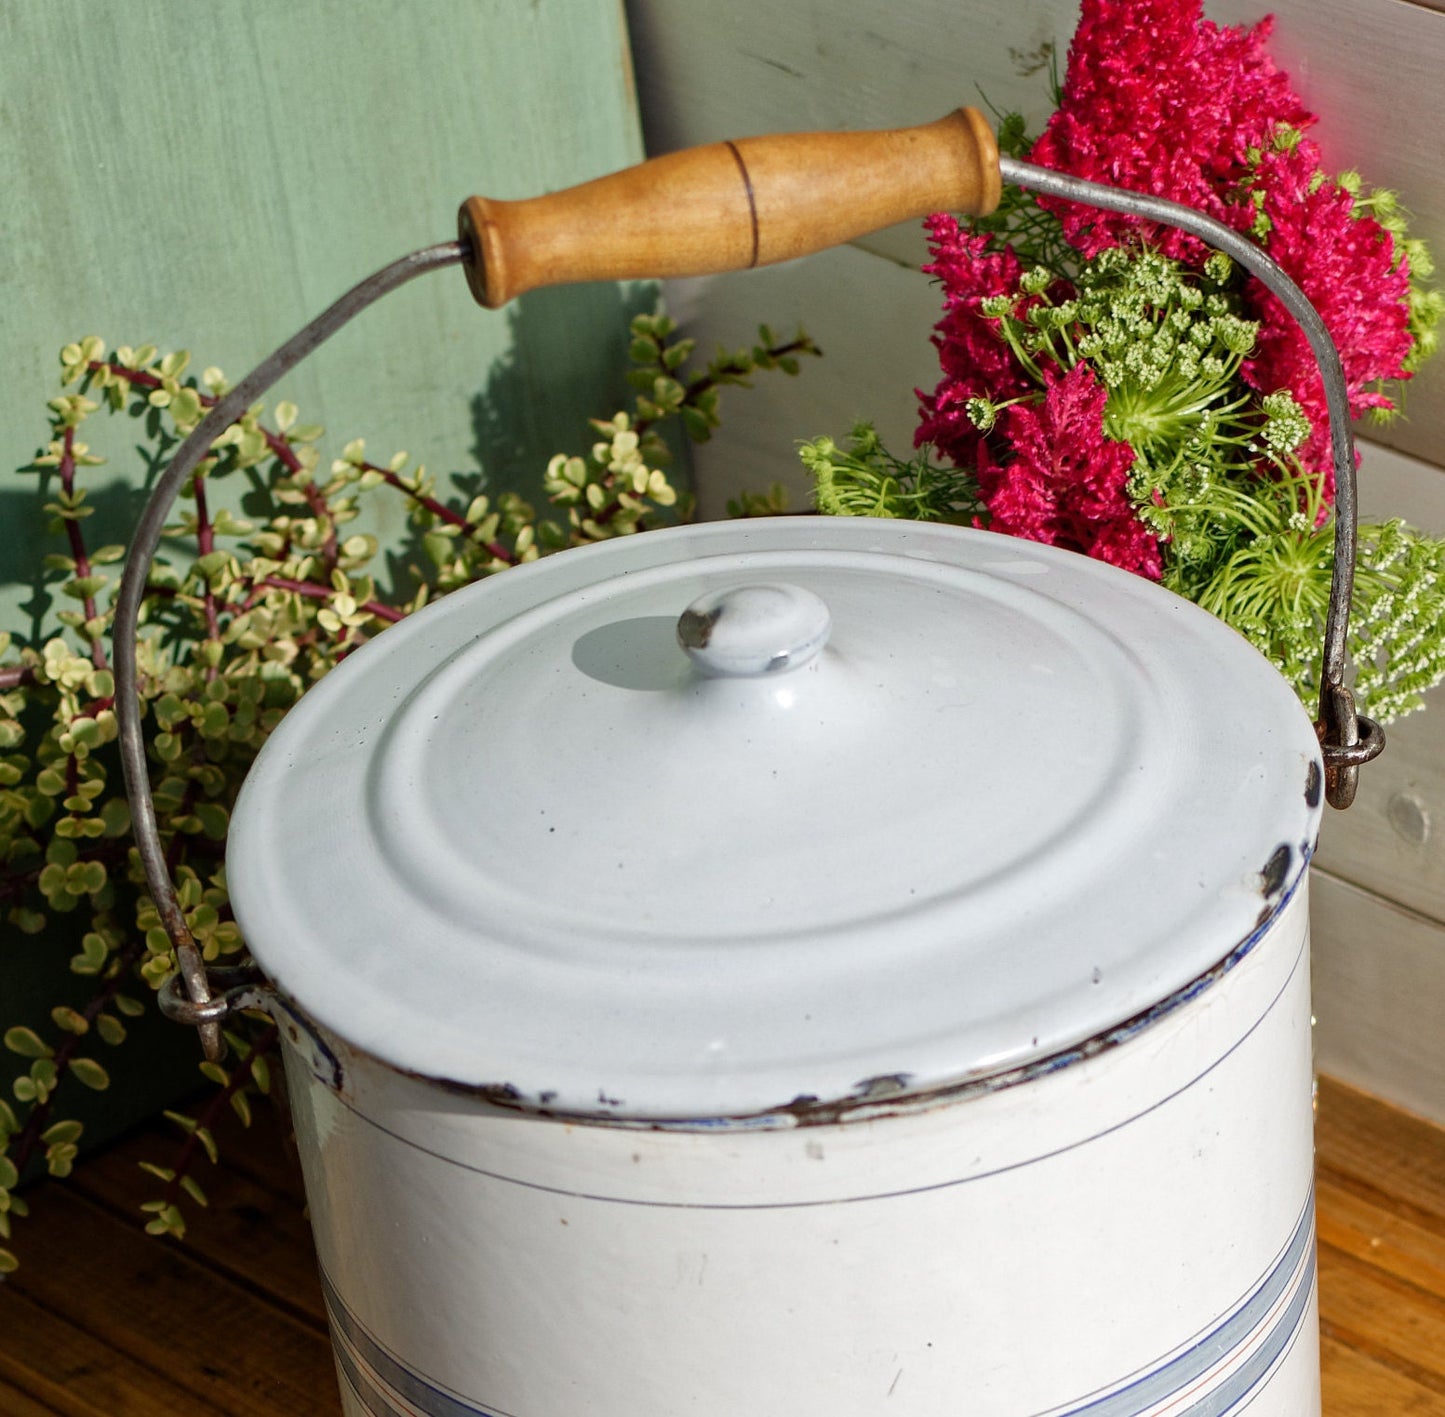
(1160, 100)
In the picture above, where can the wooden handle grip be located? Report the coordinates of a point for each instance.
(729, 206)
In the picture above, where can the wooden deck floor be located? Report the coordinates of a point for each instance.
(104, 1322)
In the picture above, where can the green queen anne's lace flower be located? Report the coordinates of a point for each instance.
(1285, 426)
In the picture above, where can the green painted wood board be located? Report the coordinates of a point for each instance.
(211, 177)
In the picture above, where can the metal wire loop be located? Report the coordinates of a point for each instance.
(205, 1007)
(180, 1009)
(235, 988)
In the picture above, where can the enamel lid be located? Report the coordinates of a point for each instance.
(697, 823)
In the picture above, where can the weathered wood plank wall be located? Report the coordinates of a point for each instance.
(1369, 67)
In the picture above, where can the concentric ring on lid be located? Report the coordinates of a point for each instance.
(1015, 798)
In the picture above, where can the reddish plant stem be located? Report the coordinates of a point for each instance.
(439, 510)
(205, 533)
(605, 514)
(77, 541)
(278, 445)
(205, 544)
(138, 377)
(285, 453)
(215, 1104)
(695, 390)
(312, 591)
(330, 551)
(706, 382)
(276, 442)
(16, 676)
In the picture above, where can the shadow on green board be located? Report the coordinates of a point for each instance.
(566, 363)
(26, 538)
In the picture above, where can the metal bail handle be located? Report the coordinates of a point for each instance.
(730, 206)
(1346, 738)
(209, 995)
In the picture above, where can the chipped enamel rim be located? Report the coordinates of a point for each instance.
(871, 1099)
(1016, 801)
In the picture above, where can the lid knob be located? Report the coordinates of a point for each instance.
(754, 629)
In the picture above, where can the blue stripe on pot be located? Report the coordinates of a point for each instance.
(360, 1389)
(1214, 1375)
(383, 1385)
(1217, 1373)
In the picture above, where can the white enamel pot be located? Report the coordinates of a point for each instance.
(808, 966)
(791, 967)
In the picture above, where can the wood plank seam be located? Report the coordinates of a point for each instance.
(1424, 1376)
(211, 1263)
(1347, 873)
(25, 1377)
(1401, 1367)
(20, 1379)
(180, 1253)
(226, 1368)
(1382, 1200)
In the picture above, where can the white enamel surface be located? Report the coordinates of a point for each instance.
(1045, 1250)
(1017, 798)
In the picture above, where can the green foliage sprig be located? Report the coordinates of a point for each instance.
(864, 479)
(233, 632)
(1268, 557)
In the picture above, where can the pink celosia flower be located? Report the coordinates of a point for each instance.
(1160, 100)
(1065, 481)
(1346, 263)
(975, 361)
